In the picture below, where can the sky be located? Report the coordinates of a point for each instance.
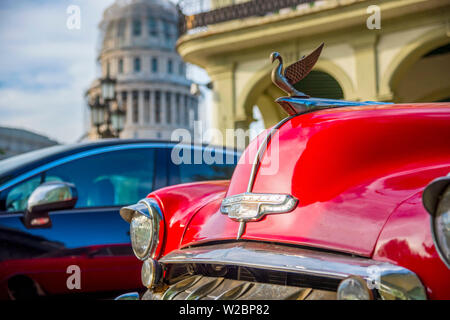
(45, 67)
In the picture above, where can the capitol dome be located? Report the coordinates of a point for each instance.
(137, 48)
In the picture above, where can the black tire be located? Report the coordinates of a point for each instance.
(22, 288)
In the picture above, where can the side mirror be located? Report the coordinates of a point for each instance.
(49, 196)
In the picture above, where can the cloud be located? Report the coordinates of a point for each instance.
(45, 68)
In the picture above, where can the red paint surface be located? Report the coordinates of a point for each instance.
(406, 240)
(349, 168)
(353, 170)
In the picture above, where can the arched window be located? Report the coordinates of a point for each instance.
(154, 65)
(169, 66)
(121, 28)
(181, 69)
(152, 29)
(137, 64)
(137, 27)
(319, 84)
(166, 30)
(120, 66)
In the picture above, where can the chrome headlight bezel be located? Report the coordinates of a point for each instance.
(435, 196)
(151, 210)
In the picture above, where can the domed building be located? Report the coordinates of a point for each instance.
(138, 51)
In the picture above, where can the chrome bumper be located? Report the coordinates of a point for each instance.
(218, 288)
(390, 281)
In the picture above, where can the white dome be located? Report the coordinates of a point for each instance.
(125, 8)
(137, 49)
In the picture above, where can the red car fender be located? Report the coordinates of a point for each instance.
(180, 203)
(406, 241)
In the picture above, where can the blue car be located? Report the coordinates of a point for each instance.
(66, 199)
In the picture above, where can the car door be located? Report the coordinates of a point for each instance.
(112, 268)
(105, 182)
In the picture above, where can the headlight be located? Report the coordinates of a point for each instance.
(150, 273)
(436, 199)
(146, 227)
(441, 226)
(141, 233)
(354, 288)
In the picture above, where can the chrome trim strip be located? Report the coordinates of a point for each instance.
(204, 289)
(217, 288)
(178, 287)
(235, 292)
(393, 280)
(257, 163)
(322, 103)
(262, 148)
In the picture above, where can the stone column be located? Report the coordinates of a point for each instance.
(141, 107)
(169, 111)
(173, 108)
(366, 66)
(162, 99)
(186, 110)
(129, 107)
(223, 112)
(152, 107)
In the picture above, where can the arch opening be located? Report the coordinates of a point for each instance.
(319, 84)
(426, 79)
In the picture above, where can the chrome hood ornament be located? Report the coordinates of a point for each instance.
(249, 206)
(286, 80)
(294, 73)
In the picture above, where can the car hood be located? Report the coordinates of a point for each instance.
(349, 168)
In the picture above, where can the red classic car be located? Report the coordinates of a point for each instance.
(340, 200)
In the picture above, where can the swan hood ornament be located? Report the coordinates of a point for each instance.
(297, 102)
(288, 78)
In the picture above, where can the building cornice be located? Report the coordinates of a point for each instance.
(257, 31)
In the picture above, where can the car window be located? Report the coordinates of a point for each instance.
(109, 179)
(121, 250)
(221, 168)
(15, 198)
(101, 252)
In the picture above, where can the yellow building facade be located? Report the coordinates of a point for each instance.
(406, 59)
